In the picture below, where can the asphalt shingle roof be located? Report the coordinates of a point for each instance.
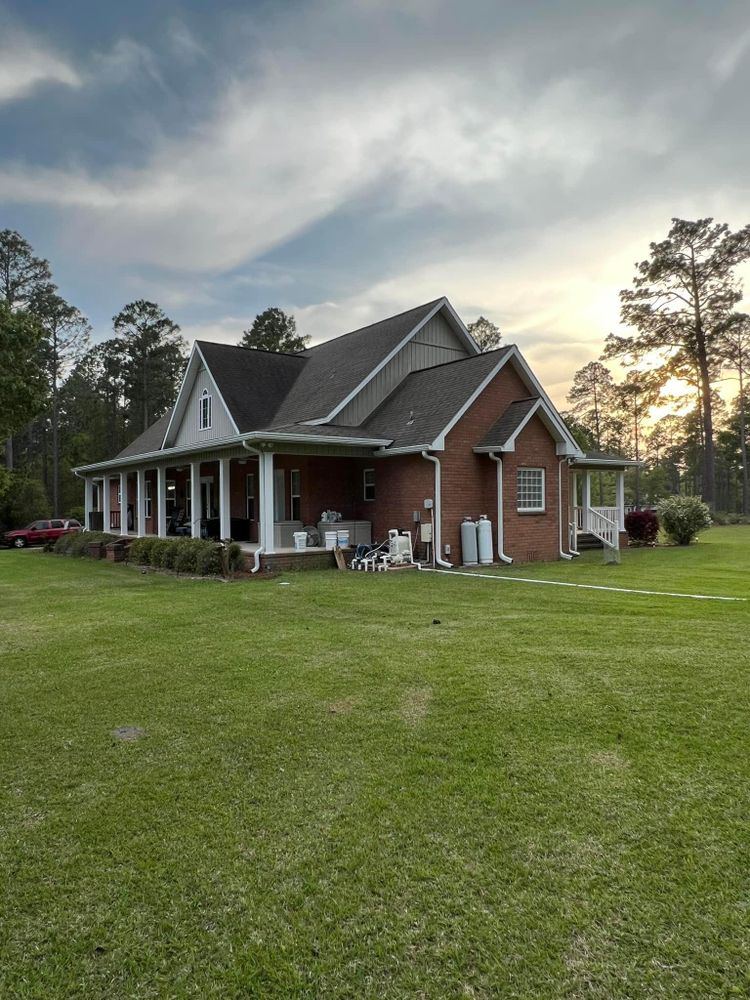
(422, 406)
(150, 440)
(507, 425)
(252, 383)
(333, 369)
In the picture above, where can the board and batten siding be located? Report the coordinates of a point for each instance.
(221, 425)
(434, 344)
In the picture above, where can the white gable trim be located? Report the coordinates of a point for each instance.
(439, 443)
(510, 442)
(569, 445)
(191, 370)
(455, 321)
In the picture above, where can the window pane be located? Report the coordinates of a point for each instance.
(530, 489)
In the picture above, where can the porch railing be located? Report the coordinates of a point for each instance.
(584, 524)
(114, 519)
(604, 528)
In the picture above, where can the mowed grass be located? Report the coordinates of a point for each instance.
(545, 795)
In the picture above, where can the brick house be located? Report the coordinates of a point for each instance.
(371, 425)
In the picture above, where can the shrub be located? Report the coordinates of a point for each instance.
(208, 559)
(235, 557)
(186, 555)
(642, 526)
(683, 517)
(169, 553)
(78, 544)
(140, 550)
(158, 551)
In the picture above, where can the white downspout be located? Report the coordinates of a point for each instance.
(260, 550)
(563, 555)
(437, 540)
(500, 527)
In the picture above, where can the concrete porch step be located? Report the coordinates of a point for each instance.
(585, 541)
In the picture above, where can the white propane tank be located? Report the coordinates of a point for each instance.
(484, 540)
(468, 542)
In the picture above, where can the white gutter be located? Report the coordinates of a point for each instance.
(563, 555)
(500, 529)
(437, 540)
(260, 550)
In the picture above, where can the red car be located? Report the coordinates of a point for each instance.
(39, 532)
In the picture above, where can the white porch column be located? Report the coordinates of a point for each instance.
(265, 470)
(586, 499)
(140, 502)
(224, 508)
(621, 498)
(106, 504)
(195, 499)
(88, 500)
(123, 503)
(161, 501)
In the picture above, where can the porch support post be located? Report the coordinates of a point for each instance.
(88, 500)
(123, 503)
(106, 504)
(586, 499)
(195, 499)
(224, 512)
(161, 501)
(140, 502)
(621, 498)
(265, 469)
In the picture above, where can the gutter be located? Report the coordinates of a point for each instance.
(437, 540)
(500, 528)
(563, 555)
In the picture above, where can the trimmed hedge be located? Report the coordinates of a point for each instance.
(77, 543)
(235, 558)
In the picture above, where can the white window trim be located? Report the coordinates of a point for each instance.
(188, 497)
(205, 397)
(147, 498)
(365, 484)
(249, 496)
(531, 510)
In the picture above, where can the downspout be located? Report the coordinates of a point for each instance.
(260, 550)
(437, 540)
(563, 555)
(500, 528)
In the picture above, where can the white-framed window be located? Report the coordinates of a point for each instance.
(188, 497)
(204, 411)
(171, 498)
(147, 500)
(119, 493)
(530, 490)
(250, 495)
(368, 484)
(295, 492)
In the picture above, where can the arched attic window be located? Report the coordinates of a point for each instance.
(204, 411)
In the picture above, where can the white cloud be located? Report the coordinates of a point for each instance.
(26, 63)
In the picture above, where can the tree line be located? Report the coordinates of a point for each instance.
(682, 309)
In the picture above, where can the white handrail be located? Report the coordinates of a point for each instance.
(605, 528)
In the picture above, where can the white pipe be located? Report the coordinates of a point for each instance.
(563, 555)
(437, 534)
(500, 528)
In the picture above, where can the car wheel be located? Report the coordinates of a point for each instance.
(19, 543)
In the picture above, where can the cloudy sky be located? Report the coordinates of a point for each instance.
(347, 159)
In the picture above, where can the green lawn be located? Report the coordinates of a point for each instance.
(545, 795)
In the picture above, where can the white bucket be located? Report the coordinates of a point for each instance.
(332, 538)
(343, 537)
(300, 541)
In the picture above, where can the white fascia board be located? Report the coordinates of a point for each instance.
(179, 406)
(316, 439)
(409, 449)
(216, 389)
(550, 406)
(389, 357)
(612, 463)
(461, 327)
(439, 443)
(132, 461)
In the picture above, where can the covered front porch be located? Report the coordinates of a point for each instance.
(258, 497)
(597, 499)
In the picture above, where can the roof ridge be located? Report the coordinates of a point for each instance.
(386, 319)
(257, 350)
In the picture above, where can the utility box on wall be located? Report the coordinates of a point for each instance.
(425, 532)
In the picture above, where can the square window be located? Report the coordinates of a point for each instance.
(530, 490)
